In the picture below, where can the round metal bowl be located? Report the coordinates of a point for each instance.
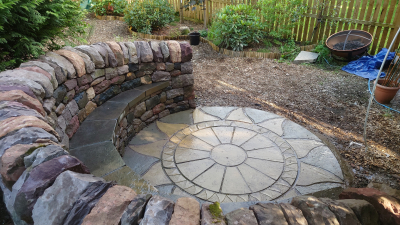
(346, 36)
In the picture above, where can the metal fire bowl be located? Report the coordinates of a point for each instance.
(350, 35)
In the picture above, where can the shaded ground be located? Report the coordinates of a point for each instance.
(332, 103)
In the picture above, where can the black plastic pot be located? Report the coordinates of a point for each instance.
(194, 38)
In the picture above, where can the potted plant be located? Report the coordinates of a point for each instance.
(388, 86)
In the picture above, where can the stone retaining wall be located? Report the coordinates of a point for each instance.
(45, 100)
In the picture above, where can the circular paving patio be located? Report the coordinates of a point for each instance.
(230, 154)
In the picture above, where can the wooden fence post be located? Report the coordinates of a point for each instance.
(181, 11)
(205, 14)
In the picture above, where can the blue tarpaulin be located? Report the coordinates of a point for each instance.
(368, 66)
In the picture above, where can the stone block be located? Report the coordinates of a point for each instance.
(364, 211)
(118, 80)
(62, 62)
(145, 52)
(387, 206)
(344, 214)
(44, 154)
(11, 109)
(123, 70)
(133, 57)
(110, 207)
(314, 210)
(306, 57)
(12, 162)
(111, 73)
(29, 75)
(156, 49)
(48, 104)
(69, 96)
(81, 99)
(98, 73)
(159, 76)
(187, 68)
(163, 113)
(70, 84)
(174, 93)
(97, 81)
(158, 211)
(103, 53)
(175, 73)
(161, 66)
(164, 50)
(174, 51)
(293, 215)
(151, 102)
(182, 81)
(269, 213)
(85, 79)
(59, 94)
(72, 126)
(89, 65)
(53, 206)
(106, 95)
(186, 52)
(169, 66)
(60, 73)
(86, 201)
(147, 66)
(26, 89)
(241, 216)
(41, 177)
(94, 55)
(186, 212)
(158, 108)
(125, 51)
(36, 69)
(101, 86)
(131, 84)
(133, 67)
(135, 210)
(15, 123)
(146, 79)
(90, 93)
(75, 59)
(147, 115)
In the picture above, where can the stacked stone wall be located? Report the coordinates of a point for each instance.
(45, 100)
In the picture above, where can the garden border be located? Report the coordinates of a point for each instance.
(247, 54)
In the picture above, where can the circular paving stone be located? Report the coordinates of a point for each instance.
(240, 154)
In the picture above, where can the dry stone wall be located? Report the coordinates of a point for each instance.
(44, 102)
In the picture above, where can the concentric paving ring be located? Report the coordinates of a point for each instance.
(235, 159)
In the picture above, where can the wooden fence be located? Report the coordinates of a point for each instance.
(381, 18)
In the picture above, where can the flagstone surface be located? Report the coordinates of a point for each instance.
(230, 154)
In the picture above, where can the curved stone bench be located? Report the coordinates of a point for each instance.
(95, 142)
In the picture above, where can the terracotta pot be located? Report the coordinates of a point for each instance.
(385, 94)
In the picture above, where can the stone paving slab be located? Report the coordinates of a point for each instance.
(233, 155)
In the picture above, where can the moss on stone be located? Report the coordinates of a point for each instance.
(31, 150)
(216, 210)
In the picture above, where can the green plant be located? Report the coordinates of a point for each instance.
(236, 26)
(27, 26)
(324, 52)
(267, 44)
(109, 7)
(289, 50)
(280, 17)
(149, 15)
(203, 33)
(216, 210)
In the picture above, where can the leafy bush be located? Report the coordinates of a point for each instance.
(285, 15)
(109, 7)
(147, 16)
(236, 26)
(26, 26)
(203, 33)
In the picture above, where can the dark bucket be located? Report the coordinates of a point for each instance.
(194, 38)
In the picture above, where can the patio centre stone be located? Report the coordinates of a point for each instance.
(230, 154)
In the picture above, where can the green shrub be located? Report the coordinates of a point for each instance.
(203, 33)
(281, 16)
(109, 7)
(147, 16)
(235, 27)
(27, 26)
